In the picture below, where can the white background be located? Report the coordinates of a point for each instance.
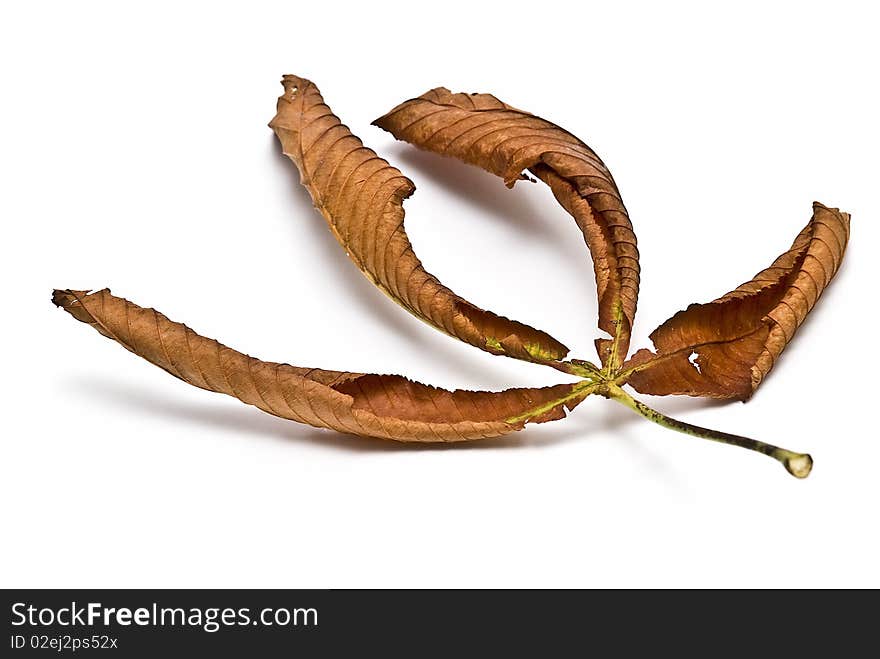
(135, 155)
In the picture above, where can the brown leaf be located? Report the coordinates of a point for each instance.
(481, 130)
(361, 197)
(738, 337)
(385, 406)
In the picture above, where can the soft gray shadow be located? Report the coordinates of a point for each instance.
(359, 291)
(231, 417)
(672, 405)
(238, 419)
(542, 221)
(616, 420)
(488, 194)
(234, 418)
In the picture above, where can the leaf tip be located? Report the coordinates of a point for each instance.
(291, 84)
(58, 297)
(842, 215)
(64, 297)
(67, 297)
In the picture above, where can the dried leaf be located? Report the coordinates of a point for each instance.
(725, 348)
(386, 406)
(483, 131)
(734, 341)
(361, 197)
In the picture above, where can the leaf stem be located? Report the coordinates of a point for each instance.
(797, 464)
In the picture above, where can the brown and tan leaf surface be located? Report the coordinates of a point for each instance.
(361, 197)
(483, 131)
(385, 406)
(725, 348)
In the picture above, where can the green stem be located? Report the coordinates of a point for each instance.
(797, 464)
